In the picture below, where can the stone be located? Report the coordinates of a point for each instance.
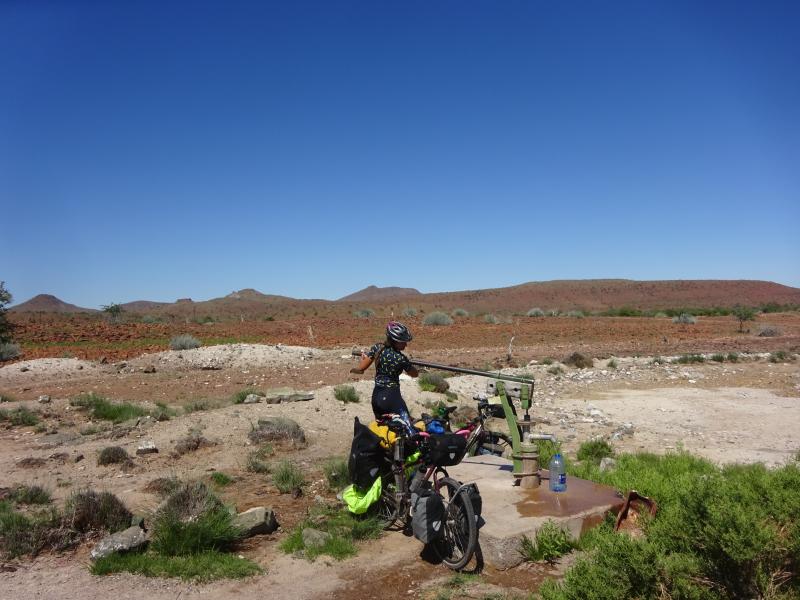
(78, 458)
(314, 538)
(24, 369)
(149, 369)
(287, 394)
(122, 541)
(44, 399)
(147, 447)
(256, 521)
(252, 399)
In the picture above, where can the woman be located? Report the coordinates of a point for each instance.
(389, 363)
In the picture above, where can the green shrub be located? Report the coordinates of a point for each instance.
(684, 319)
(210, 530)
(7, 398)
(113, 455)
(201, 568)
(555, 370)
(101, 408)
(200, 405)
(30, 494)
(459, 312)
(28, 534)
(686, 359)
(535, 312)
(409, 312)
(346, 394)
(658, 361)
(184, 342)
(336, 473)
(364, 313)
(221, 479)
(733, 357)
(579, 361)
(20, 416)
(547, 361)
(287, 477)
(551, 541)
(86, 511)
(491, 319)
(345, 530)
(726, 532)
(9, 351)
(780, 356)
(576, 314)
(612, 364)
(437, 319)
(769, 331)
(594, 451)
(433, 382)
(718, 357)
(162, 412)
(150, 319)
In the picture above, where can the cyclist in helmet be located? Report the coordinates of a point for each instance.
(389, 363)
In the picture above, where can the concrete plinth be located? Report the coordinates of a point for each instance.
(511, 512)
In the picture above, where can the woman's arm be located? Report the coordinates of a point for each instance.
(366, 361)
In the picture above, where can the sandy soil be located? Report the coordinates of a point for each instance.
(742, 412)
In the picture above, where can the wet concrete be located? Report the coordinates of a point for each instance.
(511, 512)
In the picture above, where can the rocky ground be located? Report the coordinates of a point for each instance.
(729, 412)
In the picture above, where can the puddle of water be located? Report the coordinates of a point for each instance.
(579, 497)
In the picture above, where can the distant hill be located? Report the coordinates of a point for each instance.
(49, 303)
(373, 293)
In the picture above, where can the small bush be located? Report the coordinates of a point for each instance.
(346, 394)
(22, 534)
(198, 406)
(780, 356)
(555, 370)
(491, 319)
(150, 319)
(189, 501)
(594, 451)
(210, 530)
(184, 342)
(612, 364)
(437, 319)
(103, 409)
(240, 396)
(684, 319)
(733, 357)
(459, 312)
(409, 312)
(718, 357)
(277, 429)
(163, 486)
(658, 360)
(162, 412)
(87, 511)
(551, 542)
(192, 443)
(9, 351)
(256, 462)
(769, 331)
(336, 473)
(30, 494)
(364, 313)
(113, 455)
(7, 398)
(221, 479)
(200, 568)
(433, 382)
(547, 361)
(579, 361)
(535, 312)
(287, 477)
(19, 417)
(576, 314)
(686, 359)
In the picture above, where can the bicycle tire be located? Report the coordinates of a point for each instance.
(495, 443)
(386, 509)
(460, 535)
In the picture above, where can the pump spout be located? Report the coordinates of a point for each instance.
(542, 436)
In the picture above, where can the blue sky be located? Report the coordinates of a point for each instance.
(157, 150)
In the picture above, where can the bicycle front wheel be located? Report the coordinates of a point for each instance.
(387, 510)
(460, 535)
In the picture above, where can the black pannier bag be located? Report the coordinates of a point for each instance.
(474, 496)
(427, 516)
(446, 450)
(367, 459)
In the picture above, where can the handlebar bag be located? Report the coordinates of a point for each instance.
(427, 516)
(446, 450)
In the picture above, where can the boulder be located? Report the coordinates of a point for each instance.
(252, 399)
(314, 538)
(147, 447)
(122, 541)
(607, 463)
(44, 399)
(149, 369)
(256, 521)
(286, 394)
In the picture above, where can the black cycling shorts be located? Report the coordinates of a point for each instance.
(387, 400)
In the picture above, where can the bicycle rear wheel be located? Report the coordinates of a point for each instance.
(387, 510)
(460, 535)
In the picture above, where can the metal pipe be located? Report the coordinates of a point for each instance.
(542, 436)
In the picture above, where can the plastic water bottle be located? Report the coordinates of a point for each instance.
(558, 475)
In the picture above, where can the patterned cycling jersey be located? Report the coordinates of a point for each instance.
(389, 363)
